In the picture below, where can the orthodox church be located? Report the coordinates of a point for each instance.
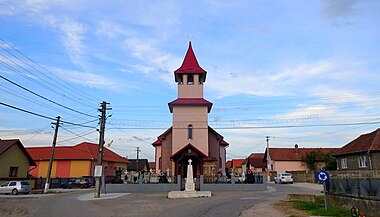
(190, 137)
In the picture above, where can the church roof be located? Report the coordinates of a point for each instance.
(190, 102)
(190, 63)
(188, 146)
(222, 142)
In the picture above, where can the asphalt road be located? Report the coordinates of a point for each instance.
(146, 204)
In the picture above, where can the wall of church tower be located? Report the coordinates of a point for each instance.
(197, 116)
(190, 89)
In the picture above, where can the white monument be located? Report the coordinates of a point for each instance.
(190, 191)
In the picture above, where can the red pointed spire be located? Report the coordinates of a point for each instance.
(190, 63)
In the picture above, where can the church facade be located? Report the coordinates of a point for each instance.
(190, 136)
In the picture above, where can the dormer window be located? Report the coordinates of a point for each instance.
(190, 131)
(190, 79)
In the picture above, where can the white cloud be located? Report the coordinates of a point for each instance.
(338, 8)
(287, 81)
(86, 79)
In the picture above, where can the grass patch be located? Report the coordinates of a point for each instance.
(318, 208)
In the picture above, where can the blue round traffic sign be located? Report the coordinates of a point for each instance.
(322, 176)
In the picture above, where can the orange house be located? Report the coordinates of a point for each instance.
(74, 161)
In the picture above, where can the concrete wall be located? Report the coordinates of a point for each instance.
(166, 152)
(194, 90)
(125, 188)
(353, 162)
(233, 187)
(369, 206)
(196, 116)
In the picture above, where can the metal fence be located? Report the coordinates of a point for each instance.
(150, 178)
(355, 187)
(252, 179)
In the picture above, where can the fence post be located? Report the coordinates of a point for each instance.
(359, 187)
(370, 190)
(233, 179)
(179, 182)
(201, 181)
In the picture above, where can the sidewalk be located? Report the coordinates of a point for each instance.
(263, 209)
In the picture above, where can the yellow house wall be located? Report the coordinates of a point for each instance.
(43, 169)
(80, 168)
(16, 158)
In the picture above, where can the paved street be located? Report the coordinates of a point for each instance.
(144, 204)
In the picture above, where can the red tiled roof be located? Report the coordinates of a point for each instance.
(157, 143)
(82, 151)
(229, 164)
(186, 147)
(190, 63)
(190, 102)
(6, 144)
(160, 137)
(364, 143)
(222, 142)
(293, 154)
(237, 163)
(257, 160)
(152, 165)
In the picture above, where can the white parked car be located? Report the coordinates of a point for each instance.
(15, 187)
(283, 178)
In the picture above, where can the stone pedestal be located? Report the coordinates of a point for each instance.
(190, 191)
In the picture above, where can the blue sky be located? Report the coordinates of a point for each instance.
(270, 64)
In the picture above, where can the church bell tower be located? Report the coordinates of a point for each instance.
(190, 110)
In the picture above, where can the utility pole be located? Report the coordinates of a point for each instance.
(137, 159)
(103, 110)
(268, 159)
(47, 183)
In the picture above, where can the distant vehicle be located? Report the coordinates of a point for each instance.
(78, 183)
(283, 178)
(15, 187)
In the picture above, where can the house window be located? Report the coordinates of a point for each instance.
(13, 171)
(160, 163)
(343, 163)
(190, 131)
(190, 79)
(363, 161)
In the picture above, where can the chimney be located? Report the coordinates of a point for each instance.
(296, 148)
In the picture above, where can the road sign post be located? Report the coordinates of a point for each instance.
(323, 177)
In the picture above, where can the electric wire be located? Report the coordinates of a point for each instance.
(73, 88)
(49, 100)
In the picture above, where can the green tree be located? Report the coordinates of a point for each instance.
(311, 159)
(330, 163)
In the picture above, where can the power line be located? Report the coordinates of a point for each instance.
(77, 135)
(77, 91)
(26, 111)
(42, 84)
(255, 127)
(43, 116)
(49, 100)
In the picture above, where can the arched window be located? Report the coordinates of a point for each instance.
(190, 79)
(180, 79)
(190, 131)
